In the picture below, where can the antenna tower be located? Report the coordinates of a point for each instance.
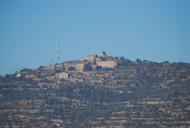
(58, 53)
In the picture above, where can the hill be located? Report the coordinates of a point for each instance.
(98, 91)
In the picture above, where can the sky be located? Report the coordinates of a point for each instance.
(155, 30)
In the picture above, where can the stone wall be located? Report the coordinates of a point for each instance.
(107, 64)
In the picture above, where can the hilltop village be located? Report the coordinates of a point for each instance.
(74, 71)
(97, 92)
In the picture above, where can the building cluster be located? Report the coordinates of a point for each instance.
(69, 69)
(86, 64)
(91, 62)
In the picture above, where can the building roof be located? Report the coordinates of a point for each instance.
(75, 62)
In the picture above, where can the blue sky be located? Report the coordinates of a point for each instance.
(156, 30)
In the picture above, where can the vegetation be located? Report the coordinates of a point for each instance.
(136, 94)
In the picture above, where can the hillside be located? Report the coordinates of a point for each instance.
(98, 92)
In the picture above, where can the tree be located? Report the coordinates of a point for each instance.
(104, 55)
(138, 61)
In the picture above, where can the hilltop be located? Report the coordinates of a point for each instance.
(98, 91)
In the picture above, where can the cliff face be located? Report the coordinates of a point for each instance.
(135, 94)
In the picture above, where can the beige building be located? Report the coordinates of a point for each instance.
(107, 64)
(89, 58)
(62, 75)
(76, 66)
(31, 76)
(80, 66)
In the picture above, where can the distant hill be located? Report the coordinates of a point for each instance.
(98, 91)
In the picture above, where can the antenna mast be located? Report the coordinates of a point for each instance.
(58, 53)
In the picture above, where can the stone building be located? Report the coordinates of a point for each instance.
(76, 66)
(89, 58)
(80, 66)
(107, 64)
(63, 75)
